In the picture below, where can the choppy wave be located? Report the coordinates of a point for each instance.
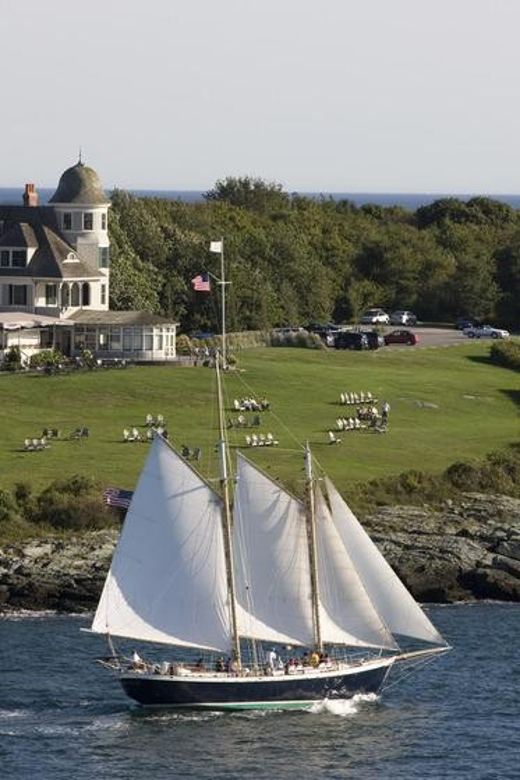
(8, 714)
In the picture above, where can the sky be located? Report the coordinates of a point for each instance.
(328, 96)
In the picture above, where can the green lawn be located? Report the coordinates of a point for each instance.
(447, 404)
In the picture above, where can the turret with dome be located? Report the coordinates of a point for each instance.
(80, 185)
(81, 208)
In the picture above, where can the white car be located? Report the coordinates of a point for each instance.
(374, 317)
(485, 332)
(403, 318)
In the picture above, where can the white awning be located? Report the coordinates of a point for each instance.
(18, 320)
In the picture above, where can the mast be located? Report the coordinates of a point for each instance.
(223, 285)
(311, 535)
(218, 247)
(224, 484)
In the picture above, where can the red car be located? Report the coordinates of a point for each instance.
(401, 337)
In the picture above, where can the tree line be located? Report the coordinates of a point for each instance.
(293, 259)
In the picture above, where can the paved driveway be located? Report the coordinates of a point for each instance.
(432, 337)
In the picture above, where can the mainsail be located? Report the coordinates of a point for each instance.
(272, 576)
(394, 603)
(167, 581)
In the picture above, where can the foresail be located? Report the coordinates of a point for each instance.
(394, 603)
(167, 581)
(272, 576)
(347, 615)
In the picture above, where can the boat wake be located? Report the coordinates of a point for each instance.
(344, 707)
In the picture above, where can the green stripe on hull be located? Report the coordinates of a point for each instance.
(255, 705)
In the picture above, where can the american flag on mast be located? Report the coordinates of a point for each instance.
(201, 283)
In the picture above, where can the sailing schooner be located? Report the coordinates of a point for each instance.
(193, 570)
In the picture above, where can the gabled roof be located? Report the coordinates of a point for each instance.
(20, 236)
(37, 226)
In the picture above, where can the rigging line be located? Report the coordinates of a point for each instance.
(413, 669)
(272, 413)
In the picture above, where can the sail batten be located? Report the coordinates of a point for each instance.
(167, 581)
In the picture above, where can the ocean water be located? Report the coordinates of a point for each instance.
(411, 200)
(63, 716)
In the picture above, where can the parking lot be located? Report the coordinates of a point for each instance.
(430, 337)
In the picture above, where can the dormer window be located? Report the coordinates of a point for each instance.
(67, 221)
(71, 258)
(19, 258)
(88, 221)
(13, 258)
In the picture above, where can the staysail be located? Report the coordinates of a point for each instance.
(167, 581)
(347, 615)
(394, 603)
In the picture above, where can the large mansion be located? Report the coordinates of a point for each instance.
(55, 278)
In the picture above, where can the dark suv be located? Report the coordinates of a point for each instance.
(349, 340)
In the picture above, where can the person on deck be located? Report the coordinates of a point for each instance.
(271, 659)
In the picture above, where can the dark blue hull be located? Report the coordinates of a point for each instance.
(285, 691)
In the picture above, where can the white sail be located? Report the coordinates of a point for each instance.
(167, 582)
(272, 572)
(394, 603)
(347, 615)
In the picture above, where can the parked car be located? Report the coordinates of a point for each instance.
(401, 337)
(288, 331)
(485, 331)
(374, 317)
(461, 323)
(202, 335)
(375, 339)
(351, 340)
(320, 327)
(403, 318)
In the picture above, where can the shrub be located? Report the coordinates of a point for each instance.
(506, 353)
(48, 358)
(184, 345)
(301, 339)
(8, 508)
(74, 503)
(13, 359)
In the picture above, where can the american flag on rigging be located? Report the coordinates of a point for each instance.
(201, 283)
(118, 498)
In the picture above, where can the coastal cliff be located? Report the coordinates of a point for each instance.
(467, 550)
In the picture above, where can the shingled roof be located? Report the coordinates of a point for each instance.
(118, 318)
(80, 184)
(35, 227)
(21, 235)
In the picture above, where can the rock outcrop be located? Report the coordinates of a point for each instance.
(467, 550)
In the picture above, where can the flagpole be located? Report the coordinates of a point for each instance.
(223, 284)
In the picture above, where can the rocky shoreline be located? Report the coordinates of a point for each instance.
(465, 551)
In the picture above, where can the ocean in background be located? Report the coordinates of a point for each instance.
(411, 201)
(62, 716)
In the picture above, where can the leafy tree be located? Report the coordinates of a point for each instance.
(250, 193)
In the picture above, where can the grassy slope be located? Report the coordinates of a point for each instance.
(303, 388)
